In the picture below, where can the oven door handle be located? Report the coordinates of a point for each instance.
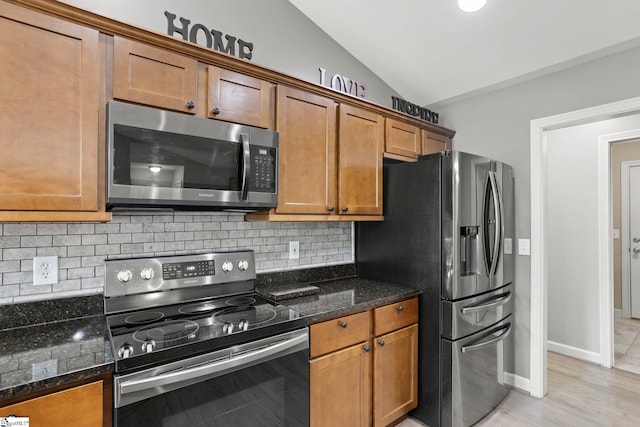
(218, 367)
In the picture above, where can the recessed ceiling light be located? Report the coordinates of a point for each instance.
(155, 169)
(471, 5)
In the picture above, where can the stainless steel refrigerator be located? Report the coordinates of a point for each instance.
(449, 231)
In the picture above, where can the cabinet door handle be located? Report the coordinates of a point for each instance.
(331, 208)
(343, 324)
(191, 105)
(345, 209)
(400, 308)
(381, 343)
(216, 111)
(366, 349)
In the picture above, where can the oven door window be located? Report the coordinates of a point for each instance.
(273, 393)
(152, 158)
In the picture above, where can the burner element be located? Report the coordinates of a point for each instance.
(144, 317)
(240, 316)
(175, 330)
(201, 307)
(241, 301)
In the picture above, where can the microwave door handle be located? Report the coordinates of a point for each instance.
(246, 165)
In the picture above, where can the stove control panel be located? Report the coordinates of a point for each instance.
(133, 276)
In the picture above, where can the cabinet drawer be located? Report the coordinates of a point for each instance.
(339, 333)
(395, 316)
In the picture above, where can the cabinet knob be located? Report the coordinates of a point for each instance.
(331, 208)
(345, 209)
(191, 105)
(366, 348)
(400, 308)
(216, 111)
(343, 324)
(381, 343)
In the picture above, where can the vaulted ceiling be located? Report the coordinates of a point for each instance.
(429, 50)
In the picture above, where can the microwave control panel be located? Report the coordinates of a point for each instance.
(263, 169)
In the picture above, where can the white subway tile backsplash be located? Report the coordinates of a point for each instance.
(82, 248)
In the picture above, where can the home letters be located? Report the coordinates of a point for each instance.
(212, 38)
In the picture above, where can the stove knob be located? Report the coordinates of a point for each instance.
(146, 273)
(243, 324)
(243, 264)
(227, 266)
(227, 328)
(125, 351)
(124, 275)
(148, 346)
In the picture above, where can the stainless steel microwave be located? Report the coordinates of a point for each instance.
(162, 159)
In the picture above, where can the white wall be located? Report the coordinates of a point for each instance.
(572, 220)
(496, 123)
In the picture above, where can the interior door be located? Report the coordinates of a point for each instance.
(634, 239)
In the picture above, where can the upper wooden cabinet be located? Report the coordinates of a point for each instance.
(434, 142)
(49, 104)
(149, 75)
(361, 144)
(239, 98)
(307, 170)
(402, 139)
(324, 172)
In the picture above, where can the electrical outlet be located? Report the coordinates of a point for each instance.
(294, 250)
(46, 369)
(45, 270)
(524, 247)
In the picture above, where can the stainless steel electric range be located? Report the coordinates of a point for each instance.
(195, 345)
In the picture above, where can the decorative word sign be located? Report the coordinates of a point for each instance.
(343, 84)
(407, 107)
(213, 38)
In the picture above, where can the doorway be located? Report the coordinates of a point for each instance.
(539, 237)
(625, 166)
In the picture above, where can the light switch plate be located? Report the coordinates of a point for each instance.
(294, 250)
(508, 246)
(524, 247)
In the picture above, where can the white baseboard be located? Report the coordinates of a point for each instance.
(521, 383)
(617, 313)
(576, 353)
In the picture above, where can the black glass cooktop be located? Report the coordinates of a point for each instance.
(163, 334)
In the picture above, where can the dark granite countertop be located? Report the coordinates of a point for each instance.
(46, 355)
(338, 296)
(51, 343)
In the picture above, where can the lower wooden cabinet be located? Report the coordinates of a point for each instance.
(363, 373)
(341, 387)
(80, 406)
(395, 375)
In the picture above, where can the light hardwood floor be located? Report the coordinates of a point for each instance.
(627, 344)
(580, 394)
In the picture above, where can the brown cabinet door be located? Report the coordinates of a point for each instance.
(361, 142)
(434, 143)
(307, 169)
(76, 407)
(48, 113)
(239, 98)
(149, 75)
(402, 139)
(395, 374)
(341, 388)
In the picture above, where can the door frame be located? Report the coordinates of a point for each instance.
(624, 238)
(539, 280)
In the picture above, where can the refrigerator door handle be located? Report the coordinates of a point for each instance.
(498, 300)
(504, 330)
(497, 206)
